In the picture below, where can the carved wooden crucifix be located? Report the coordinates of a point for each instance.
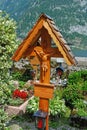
(44, 30)
(43, 89)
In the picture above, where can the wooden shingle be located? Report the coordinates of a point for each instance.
(29, 43)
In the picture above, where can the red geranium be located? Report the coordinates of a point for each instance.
(16, 93)
(22, 94)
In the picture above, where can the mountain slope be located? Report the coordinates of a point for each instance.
(70, 17)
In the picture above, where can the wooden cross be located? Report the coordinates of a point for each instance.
(44, 89)
(44, 30)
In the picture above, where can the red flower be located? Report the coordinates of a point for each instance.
(21, 94)
(24, 95)
(16, 93)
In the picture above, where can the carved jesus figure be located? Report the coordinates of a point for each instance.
(43, 60)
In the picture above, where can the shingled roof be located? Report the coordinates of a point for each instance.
(26, 47)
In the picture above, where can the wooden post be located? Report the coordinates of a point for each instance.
(45, 76)
(44, 102)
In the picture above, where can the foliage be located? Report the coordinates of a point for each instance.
(7, 43)
(84, 75)
(5, 92)
(82, 112)
(74, 92)
(16, 75)
(11, 96)
(3, 119)
(78, 80)
(74, 77)
(15, 101)
(81, 107)
(77, 77)
(80, 104)
(84, 86)
(56, 124)
(57, 107)
(71, 93)
(32, 105)
(24, 77)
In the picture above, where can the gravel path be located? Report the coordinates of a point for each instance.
(31, 126)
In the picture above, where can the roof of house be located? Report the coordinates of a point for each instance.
(28, 44)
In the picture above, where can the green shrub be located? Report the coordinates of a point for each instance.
(84, 86)
(15, 102)
(78, 76)
(23, 77)
(5, 92)
(80, 104)
(3, 119)
(57, 107)
(32, 105)
(81, 107)
(74, 77)
(71, 94)
(8, 42)
(16, 75)
(82, 112)
(84, 74)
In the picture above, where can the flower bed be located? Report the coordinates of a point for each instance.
(20, 96)
(17, 110)
(18, 100)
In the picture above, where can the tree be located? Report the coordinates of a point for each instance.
(8, 42)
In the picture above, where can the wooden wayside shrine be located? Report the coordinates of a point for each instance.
(38, 43)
